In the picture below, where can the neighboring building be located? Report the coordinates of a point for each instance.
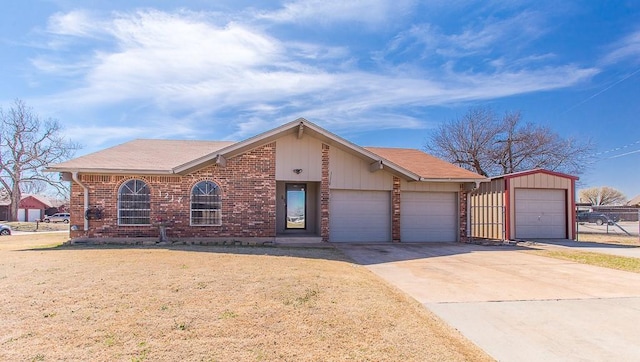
(535, 204)
(635, 202)
(295, 181)
(5, 204)
(32, 207)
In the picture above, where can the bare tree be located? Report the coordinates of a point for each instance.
(604, 195)
(27, 144)
(481, 142)
(467, 141)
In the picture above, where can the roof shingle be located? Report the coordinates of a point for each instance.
(145, 154)
(423, 164)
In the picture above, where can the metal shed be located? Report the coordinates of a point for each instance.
(534, 204)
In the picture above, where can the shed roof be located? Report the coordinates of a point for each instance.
(534, 171)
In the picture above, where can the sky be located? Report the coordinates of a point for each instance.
(378, 72)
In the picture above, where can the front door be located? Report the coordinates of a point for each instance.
(296, 206)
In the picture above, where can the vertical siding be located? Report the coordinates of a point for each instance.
(293, 153)
(347, 171)
(487, 210)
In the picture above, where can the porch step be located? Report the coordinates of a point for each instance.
(298, 240)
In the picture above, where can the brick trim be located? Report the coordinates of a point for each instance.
(395, 209)
(325, 195)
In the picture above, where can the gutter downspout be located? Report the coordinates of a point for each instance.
(74, 176)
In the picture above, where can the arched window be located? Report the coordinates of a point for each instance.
(206, 205)
(134, 203)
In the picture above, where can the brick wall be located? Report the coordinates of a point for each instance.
(395, 209)
(248, 200)
(463, 215)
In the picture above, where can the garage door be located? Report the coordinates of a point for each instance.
(540, 214)
(33, 214)
(428, 216)
(360, 216)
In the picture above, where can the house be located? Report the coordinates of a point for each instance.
(32, 207)
(534, 204)
(634, 202)
(292, 182)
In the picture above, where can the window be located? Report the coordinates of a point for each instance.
(134, 203)
(206, 205)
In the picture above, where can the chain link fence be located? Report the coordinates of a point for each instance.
(609, 220)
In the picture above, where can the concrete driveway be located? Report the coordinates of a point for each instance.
(514, 305)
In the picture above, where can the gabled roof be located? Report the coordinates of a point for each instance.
(39, 198)
(534, 171)
(146, 156)
(428, 167)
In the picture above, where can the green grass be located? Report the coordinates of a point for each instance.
(597, 259)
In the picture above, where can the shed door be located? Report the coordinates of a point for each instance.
(540, 214)
(428, 216)
(360, 216)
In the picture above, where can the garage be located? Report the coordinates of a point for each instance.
(530, 204)
(540, 213)
(29, 214)
(428, 217)
(360, 216)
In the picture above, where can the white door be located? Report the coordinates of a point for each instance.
(360, 216)
(428, 216)
(540, 214)
(22, 215)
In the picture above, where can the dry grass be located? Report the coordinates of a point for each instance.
(32, 226)
(598, 259)
(609, 238)
(207, 304)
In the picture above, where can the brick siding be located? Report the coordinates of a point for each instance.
(248, 189)
(463, 215)
(395, 209)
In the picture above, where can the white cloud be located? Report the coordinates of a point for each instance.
(77, 23)
(626, 48)
(332, 11)
(188, 69)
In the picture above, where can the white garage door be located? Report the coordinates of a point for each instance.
(540, 214)
(22, 215)
(360, 216)
(428, 216)
(34, 214)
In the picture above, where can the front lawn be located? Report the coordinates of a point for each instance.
(207, 304)
(597, 259)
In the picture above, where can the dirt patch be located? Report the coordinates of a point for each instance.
(207, 304)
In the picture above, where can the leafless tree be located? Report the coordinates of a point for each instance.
(27, 144)
(467, 141)
(488, 145)
(604, 195)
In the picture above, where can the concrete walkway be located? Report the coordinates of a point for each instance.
(515, 305)
(632, 251)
